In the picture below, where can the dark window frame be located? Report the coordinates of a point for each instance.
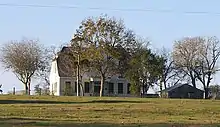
(120, 88)
(87, 87)
(111, 89)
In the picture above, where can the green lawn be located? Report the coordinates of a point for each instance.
(33, 111)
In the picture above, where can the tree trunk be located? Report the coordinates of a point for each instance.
(102, 84)
(143, 90)
(161, 87)
(26, 88)
(165, 84)
(206, 93)
(29, 87)
(81, 91)
(193, 81)
(78, 75)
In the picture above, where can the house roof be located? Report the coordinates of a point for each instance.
(65, 63)
(177, 86)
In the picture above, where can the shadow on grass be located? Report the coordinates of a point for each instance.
(63, 102)
(20, 122)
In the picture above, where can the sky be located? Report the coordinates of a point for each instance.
(55, 26)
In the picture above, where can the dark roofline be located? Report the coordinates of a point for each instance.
(177, 86)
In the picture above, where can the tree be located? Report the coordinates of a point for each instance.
(198, 56)
(185, 54)
(166, 65)
(80, 61)
(23, 58)
(144, 70)
(206, 64)
(102, 37)
(44, 72)
(169, 74)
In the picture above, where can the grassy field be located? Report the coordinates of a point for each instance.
(34, 111)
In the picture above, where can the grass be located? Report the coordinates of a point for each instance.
(52, 111)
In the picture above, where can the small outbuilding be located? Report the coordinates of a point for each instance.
(183, 91)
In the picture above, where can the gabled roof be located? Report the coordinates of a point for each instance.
(174, 87)
(177, 86)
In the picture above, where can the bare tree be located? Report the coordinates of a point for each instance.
(185, 54)
(44, 72)
(206, 64)
(167, 68)
(198, 57)
(23, 58)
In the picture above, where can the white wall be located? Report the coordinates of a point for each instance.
(54, 79)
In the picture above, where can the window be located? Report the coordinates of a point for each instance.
(86, 87)
(97, 89)
(67, 84)
(76, 87)
(120, 88)
(111, 87)
(67, 88)
(97, 82)
(128, 88)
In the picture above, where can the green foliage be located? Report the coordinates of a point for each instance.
(135, 89)
(145, 69)
(104, 39)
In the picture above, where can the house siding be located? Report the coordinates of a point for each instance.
(54, 80)
(61, 81)
(61, 89)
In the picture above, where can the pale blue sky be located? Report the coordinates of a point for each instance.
(55, 26)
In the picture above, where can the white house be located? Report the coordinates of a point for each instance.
(63, 79)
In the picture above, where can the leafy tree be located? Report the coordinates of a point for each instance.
(102, 37)
(23, 58)
(144, 70)
(80, 61)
